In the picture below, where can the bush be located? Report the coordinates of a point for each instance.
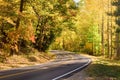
(33, 59)
(88, 51)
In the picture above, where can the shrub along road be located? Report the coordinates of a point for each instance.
(65, 64)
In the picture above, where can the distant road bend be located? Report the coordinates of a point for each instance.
(66, 64)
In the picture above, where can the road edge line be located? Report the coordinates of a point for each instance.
(89, 61)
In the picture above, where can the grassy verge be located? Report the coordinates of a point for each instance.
(104, 69)
(26, 60)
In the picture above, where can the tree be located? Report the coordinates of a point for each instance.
(116, 14)
(50, 18)
(85, 32)
(14, 25)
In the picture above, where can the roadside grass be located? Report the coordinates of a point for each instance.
(104, 69)
(23, 60)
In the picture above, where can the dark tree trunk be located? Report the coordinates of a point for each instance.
(111, 30)
(20, 10)
(102, 34)
(117, 46)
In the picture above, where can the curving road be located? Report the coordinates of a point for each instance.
(66, 64)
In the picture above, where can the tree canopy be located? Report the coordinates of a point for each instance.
(90, 26)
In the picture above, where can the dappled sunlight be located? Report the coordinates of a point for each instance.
(37, 31)
(104, 71)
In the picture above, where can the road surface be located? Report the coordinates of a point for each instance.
(66, 64)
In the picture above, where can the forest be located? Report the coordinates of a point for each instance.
(88, 26)
(30, 29)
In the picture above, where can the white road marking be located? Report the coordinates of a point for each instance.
(89, 61)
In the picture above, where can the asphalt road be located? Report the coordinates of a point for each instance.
(65, 65)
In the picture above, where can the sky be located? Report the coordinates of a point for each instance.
(76, 1)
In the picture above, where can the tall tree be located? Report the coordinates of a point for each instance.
(50, 18)
(108, 29)
(14, 25)
(20, 10)
(111, 27)
(117, 15)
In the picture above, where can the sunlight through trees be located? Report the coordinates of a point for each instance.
(89, 26)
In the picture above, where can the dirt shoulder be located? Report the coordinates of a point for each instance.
(17, 61)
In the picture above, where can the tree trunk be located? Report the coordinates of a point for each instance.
(102, 34)
(108, 36)
(117, 47)
(111, 30)
(20, 10)
(17, 26)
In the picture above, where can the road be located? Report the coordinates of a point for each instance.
(66, 64)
